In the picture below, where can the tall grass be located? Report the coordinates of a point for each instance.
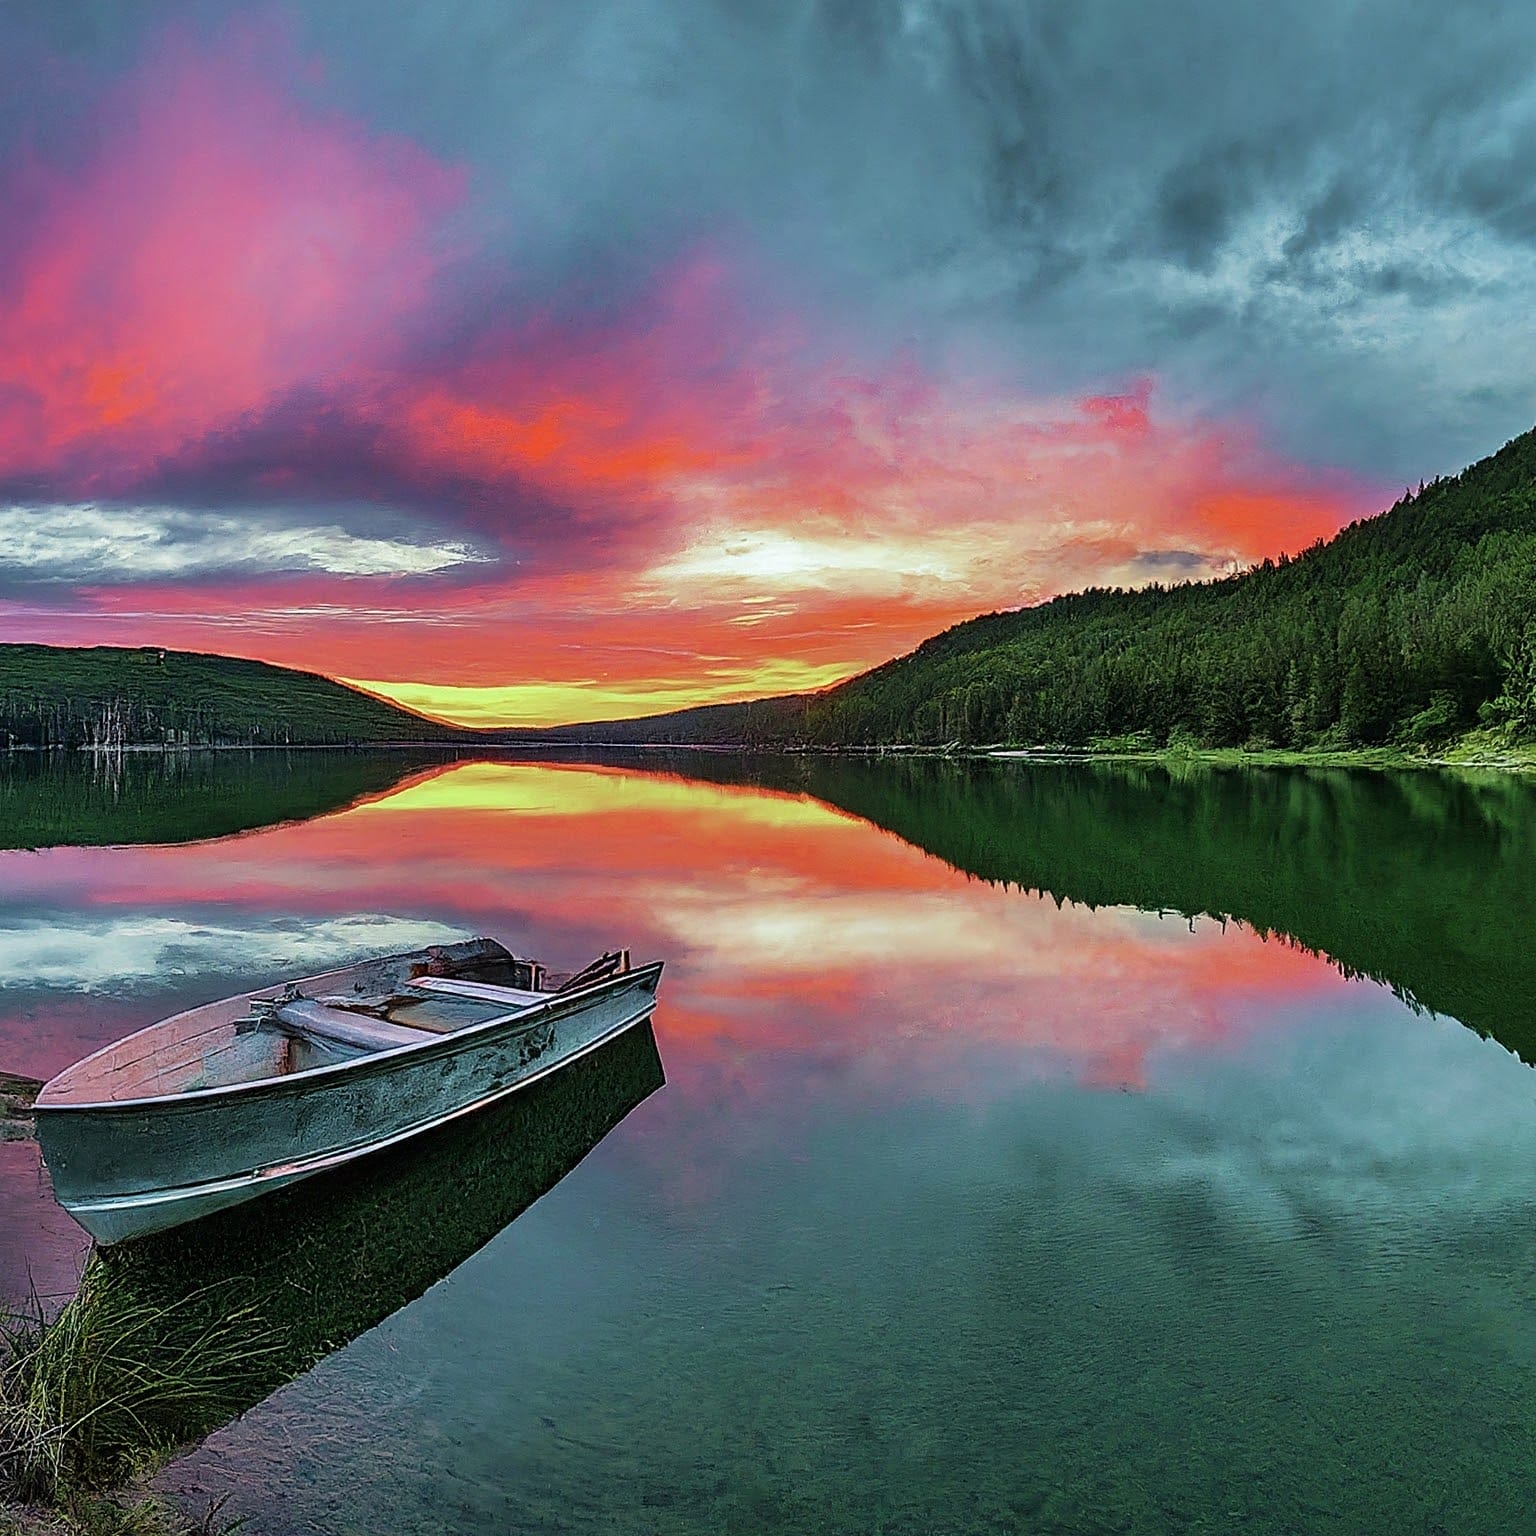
(96, 1395)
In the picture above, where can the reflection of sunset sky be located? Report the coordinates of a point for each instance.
(273, 386)
(786, 925)
(810, 956)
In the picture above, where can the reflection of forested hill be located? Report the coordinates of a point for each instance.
(49, 798)
(1426, 881)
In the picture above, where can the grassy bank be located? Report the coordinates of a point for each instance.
(95, 1397)
(109, 1515)
(1475, 751)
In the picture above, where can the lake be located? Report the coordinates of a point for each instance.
(1066, 1148)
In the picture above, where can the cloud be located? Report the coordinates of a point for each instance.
(698, 343)
(210, 244)
(761, 558)
(853, 517)
(81, 953)
(92, 542)
(1323, 209)
(1199, 192)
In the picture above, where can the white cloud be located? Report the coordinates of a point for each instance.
(767, 560)
(128, 953)
(92, 541)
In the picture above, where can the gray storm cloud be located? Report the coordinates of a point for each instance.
(1315, 214)
(1320, 213)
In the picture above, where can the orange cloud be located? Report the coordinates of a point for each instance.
(579, 410)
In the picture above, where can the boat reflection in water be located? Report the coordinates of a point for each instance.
(313, 1266)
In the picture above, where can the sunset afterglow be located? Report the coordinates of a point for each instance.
(297, 374)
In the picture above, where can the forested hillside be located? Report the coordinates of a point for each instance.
(1411, 627)
(107, 697)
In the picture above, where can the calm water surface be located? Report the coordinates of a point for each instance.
(1060, 1149)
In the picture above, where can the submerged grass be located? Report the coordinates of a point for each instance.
(95, 1396)
(105, 1515)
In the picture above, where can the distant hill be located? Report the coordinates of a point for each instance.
(109, 696)
(1410, 627)
(761, 722)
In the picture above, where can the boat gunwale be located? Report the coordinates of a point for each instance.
(557, 1004)
(283, 1174)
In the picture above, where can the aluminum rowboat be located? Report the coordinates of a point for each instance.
(227, 1101)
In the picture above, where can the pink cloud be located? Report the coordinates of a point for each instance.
(225, 244)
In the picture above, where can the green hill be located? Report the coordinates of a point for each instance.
(760, 722)
(1411, 627)
(53, 696)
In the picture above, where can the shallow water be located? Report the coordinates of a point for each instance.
(982, 1194)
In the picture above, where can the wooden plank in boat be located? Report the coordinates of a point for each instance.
(346, 1028)
(483, 990)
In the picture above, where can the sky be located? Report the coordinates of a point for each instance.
(544, 362)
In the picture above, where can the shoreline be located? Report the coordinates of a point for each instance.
(1378, 759)
(1467, 754)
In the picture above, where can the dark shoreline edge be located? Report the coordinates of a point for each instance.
(1520, 759)
(1471, 755)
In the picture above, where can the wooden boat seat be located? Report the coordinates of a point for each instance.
(484, 991)
(343, 1027)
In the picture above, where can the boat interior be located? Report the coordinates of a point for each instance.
(363, 1009)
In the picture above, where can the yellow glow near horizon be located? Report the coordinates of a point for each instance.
(548, 704)
(558, 789)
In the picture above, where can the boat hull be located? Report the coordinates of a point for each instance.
(125, 1169)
